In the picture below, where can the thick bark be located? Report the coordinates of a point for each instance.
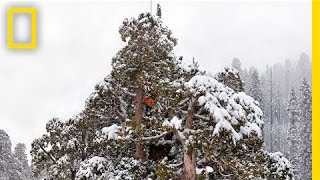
(190, 115)
(189, 162)
(138, 115)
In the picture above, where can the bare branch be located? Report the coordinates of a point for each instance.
(122, 117)
(49, 154)
(199, 116)
(183, 101)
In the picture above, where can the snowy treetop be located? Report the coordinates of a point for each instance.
(146, 28)
(230, 71)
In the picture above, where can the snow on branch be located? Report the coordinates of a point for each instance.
(226, 107)
(110, 132)
(151, 138)
(95, 168)
(174, 122)
(279, 163)
(113, 133)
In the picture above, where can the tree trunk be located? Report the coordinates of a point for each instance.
(189, 162)
(190, 115)
(138, 115)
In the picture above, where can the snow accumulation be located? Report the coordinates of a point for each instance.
(226, 107)
(282, 162)
(110, 132)
(72, 143)
(100, 165)
(63, 160)
(207, 169)
(231, 70)
(174, 122)
(188, 64)
(227, 71)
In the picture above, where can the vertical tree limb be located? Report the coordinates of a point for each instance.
(138, 115)
(189, 156)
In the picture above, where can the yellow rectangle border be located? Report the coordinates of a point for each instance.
(11, 43)
(315, 89)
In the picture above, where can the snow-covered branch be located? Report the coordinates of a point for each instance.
(126, 92)
(151, 138)
(49, 154)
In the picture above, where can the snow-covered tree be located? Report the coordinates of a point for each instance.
(255, 86)
(54, 151)
(216, 125)
(236, 63)
(274, 105)
(305, 119)
(294, 136)
(303, 69)
(153, 118)
(20, 153)
(10, 168)
(231, 77)
(144, 68)
(5, 155)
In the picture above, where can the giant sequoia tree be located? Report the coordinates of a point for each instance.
(153, 118)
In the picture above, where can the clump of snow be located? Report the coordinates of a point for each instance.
(110, 132)
(174, 122)
(251, 127)
(223, 124)
(207, 169)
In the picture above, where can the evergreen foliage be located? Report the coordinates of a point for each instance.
(198, 127)
(13, 166)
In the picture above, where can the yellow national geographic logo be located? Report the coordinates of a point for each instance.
(32, 44)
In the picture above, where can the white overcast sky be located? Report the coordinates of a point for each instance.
(78, 38)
